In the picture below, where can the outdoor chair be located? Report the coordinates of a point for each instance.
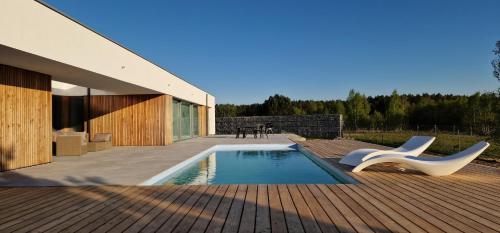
(439, 166)
(259, 130)
(71, 143)
(268, 129)
(415, 146)
(240, 130)
(101, 141)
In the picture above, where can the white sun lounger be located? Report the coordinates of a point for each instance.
(415, 146)
(439, 166)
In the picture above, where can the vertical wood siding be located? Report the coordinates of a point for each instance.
(134, 120)
(169, 120)
(25, 118)
(202, 120)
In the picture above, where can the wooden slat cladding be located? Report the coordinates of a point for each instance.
(25, 118)
(202, 120)
(134, 120)
(169, 133)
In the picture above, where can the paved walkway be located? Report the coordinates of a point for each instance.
(120, 165)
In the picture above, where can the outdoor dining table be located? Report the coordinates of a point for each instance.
(243, 129)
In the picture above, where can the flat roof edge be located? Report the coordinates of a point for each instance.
(114, 42)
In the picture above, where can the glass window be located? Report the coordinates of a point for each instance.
(185, 121)
(176, 120)
(195, 120)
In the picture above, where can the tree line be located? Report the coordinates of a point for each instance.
(479, 112)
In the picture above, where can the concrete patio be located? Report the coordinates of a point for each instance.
(121, 165)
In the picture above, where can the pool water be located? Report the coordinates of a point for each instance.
(253, 167)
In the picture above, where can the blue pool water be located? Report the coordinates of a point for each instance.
(253, 167)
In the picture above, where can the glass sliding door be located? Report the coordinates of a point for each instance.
(176, 117)
(185, 120)
(195, 120)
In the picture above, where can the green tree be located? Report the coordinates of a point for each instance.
(376, 120)
(278, 105)
(474, 107)
(496, 73)
(358, 109)
(496, 61)
(226, 110)
(298, 111)
(396, 111)
(339, 107)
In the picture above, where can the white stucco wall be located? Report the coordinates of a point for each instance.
(211, 120)
(32, 27)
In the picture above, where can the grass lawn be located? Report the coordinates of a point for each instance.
(445, 144)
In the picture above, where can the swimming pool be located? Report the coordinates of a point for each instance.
(251, 164)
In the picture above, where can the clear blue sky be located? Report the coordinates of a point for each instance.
(244, 51)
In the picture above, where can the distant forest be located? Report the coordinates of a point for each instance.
(479, 112)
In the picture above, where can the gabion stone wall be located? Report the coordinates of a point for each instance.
(312, 126)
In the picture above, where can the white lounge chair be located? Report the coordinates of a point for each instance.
(438, 166)
(415, 146)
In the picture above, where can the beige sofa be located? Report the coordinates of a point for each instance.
(101, 141)
(71, 143)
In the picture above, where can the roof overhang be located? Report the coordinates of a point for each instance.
(69, 74)
(39, 38)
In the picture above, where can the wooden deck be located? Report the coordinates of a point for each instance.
(385, 200)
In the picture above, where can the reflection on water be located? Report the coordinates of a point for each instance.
(275, 155)
(253, 167)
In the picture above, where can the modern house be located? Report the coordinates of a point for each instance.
(57, 74)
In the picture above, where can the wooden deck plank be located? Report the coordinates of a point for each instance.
(153, 213)
(278, 222)
(367, 217)
(11, 217)
(23, 219)
(82, 200)
(249, 210)
(181, 212)
(88, 218)
(373, 210)
(307, 218)
(385, 210)
(206, 216)
(451, 199)
(107, 219)
(345, 211)
(232, 222)
(262, 218)
(166, 213)
(85, 215)
(294, 225)
(134, 209)
(28, 205)
(74, 215)
(161, 194)
(464, 189)
(407, 210)
(322, 218)
(13, 196)
(459, 211)
(193, 214)
(217, 222)
(470, 200)
(448, 215)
